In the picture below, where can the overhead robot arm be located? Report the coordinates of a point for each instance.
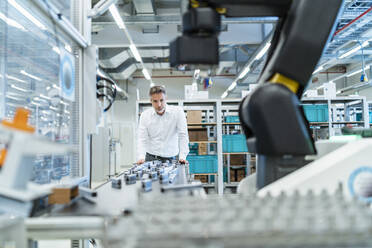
(272, 117)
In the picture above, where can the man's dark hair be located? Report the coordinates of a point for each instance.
(157, 90)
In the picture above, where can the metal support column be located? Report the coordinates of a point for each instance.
(365, 112)
(219, 148)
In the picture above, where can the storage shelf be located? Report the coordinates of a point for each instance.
(235, 153)
(348, 122)
(212, 185)
(202, 123)
(203, 142)
(231, 123)
(203, 174)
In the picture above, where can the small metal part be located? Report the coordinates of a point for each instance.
(153, 175)
(164, 178)
(116, 183)
(147, 185)
(172, 177)
(160, 171)
(131, 179)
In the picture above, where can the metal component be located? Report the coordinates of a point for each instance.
(62, 22)
(153, 175)
(164, 178)
(130, 179)
(116, 183)
(139, 174)
(101, 7)
(147, 185)
(236, 221)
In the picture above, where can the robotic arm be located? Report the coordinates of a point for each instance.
(272, 117)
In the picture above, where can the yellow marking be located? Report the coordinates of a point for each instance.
(221, 10)
(292, 85)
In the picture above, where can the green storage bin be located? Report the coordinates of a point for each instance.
(202, 164)
(316, 112)
(232, 119)
(234, 143)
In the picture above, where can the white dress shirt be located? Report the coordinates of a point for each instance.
(163, 135)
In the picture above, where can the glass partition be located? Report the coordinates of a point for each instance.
(30, 51)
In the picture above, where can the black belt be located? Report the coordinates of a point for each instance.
(160, 157)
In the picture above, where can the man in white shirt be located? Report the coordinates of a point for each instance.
(162, 131)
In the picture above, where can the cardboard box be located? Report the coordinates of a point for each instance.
(199, 134)
(201, 178)
(63, 195)
(194, 116)
(240, 174)
(236, 175)
(238, 159)
(203, 149)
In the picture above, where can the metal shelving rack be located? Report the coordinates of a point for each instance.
(342, 114)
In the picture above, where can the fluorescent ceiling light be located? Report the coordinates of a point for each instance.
(146, 74)
(11, 22)
(224, 95)
(232, 86)
(353, 73)
(27, 14)
(45, 97)
(68, 48)
(56, 50)
(320, 68)
(56, 87)
(350, 52)
(115, 14)
(244, 72)
(30, 75)
(18, 88)
(15, 79)
(135, 52)
(263, 51)
(365, 44)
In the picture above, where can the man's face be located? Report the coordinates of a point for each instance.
(158, 102)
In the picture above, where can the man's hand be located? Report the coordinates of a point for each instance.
(141, 161)
(182, 161)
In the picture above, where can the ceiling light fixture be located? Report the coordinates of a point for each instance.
(263, 51)
(224, 95)
(232, 86)
(18, 88)
(56, 50)
(244, 72)
(146, 74)
(15, 79)
(11, 22)
(320, 68)
(27, 14)
(354, 50)
(135, 52)
(30, 75)
(115, 14)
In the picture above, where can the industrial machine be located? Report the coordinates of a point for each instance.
(272, 118)
(18, 195)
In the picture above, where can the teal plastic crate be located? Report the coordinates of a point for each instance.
(316, 112)
(193, 147)
(202, 164)
(234, 143)
(359, 117)
(232, 119)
